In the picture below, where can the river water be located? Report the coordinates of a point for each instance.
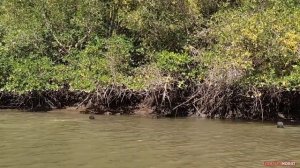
(70, 140)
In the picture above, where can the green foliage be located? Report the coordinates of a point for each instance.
(173, 62)
(139, 43)
(5, 68)
(264, 41)
(166, 25)
(50, 28)
(118, 50)
(86, 72)
(100, 63)
(181, 67)
(32, 74)
(145, 77)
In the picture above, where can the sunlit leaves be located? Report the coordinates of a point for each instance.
(32, 74)
(267, 38)
(45, 44)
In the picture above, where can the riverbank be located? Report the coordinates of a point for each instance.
(222, 59)
(168, 101)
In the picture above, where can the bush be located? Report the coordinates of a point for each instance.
(265, 40)
(33, 73)
(181, 67)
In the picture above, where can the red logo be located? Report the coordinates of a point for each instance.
(280, 163)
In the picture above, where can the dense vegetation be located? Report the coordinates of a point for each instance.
(195, 47)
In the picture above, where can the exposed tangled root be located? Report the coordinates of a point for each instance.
(113, 99)
(205, 100)
(40, 101)
(222, 101)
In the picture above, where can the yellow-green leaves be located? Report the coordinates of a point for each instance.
(291, 41)
(264, 42)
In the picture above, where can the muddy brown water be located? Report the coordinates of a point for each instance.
(70, 140)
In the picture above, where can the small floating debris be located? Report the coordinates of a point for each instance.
(280, 125)
(91, 117)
